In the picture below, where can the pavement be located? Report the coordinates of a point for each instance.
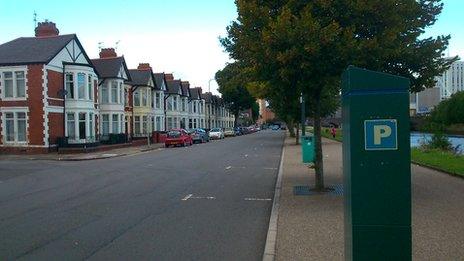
(86, 156)
(311, 227)
(205, 202)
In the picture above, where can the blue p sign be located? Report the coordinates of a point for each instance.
(380, 135)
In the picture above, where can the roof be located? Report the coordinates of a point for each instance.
(207, 96)
(159, 79)
(109, 67)
(185, 88)
(173, 87)
(195, 93)
(140, 77)
(28, 50)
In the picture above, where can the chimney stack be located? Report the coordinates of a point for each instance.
(108, 53)
(46, 29)
(144, 66)
(169, 77)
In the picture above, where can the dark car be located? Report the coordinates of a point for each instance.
(238, 131)
(178, 137)
(199, 135)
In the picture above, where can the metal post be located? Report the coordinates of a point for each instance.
(303, 115)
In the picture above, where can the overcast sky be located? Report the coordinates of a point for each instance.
(179, 36)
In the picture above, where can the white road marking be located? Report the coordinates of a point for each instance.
(246, 155)
(228, 167)
(187, 197)
(270, 168)
(257, 199)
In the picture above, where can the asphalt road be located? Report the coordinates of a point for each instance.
(205, 202)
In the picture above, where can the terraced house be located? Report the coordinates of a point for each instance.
(159, 105)
(185, 116)
(143, 86)
(173, 96)
(48, 90)
(196, 109)
(113, 75)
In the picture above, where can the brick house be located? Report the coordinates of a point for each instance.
(113, 92)
(48, 90)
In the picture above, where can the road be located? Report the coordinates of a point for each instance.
(205, 202)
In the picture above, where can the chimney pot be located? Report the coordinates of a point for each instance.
(169, 77)
(45, 29)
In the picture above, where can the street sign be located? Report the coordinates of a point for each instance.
(376, 166)
(380, 135)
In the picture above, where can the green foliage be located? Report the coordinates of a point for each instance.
(232, 81)
(255, 111)
(439, 141)
(450, 111)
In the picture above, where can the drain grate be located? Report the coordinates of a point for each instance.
(335, 190)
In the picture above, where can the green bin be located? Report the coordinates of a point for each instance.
(307, 148)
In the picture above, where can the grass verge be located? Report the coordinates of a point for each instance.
(436, 159)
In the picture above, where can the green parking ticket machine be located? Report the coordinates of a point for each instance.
(307, 147)
(376, 165)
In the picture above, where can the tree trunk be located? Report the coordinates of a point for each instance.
(290, 126)
(236, 114)
(297, 136)
(318, 164)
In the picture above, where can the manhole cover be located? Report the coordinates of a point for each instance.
(336, 190)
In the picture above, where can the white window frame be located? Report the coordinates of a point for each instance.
(15, 111)
(13, 70)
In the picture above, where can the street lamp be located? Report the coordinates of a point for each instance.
(209, 84)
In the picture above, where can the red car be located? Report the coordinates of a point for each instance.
(178, 137)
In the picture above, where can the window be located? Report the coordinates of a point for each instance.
(153, 126)
(15, 84)
(81, 86)
(89, 87)
(115, 123)
(70, 85)
(136, 98)
(145, 124)
(158, 100)
(144, 98)
(169, 123)
(170, 103)
(104, 94)
(15, 126)
(121, 93)
(183, 104)
(174, 102)
(71, 126)
(82, 125)
(114, 92)
(126, 100)
(91, 126)
(105, 124)
(158, 123)
(137, 124)
(194, 107)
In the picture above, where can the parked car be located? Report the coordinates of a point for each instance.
(238, 131)
(199, 135)
(216, 133)
(178, 137)
(229, 132)
(275, 127)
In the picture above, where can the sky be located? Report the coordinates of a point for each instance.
(174, 36)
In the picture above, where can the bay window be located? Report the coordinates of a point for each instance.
(144, 98)
(136, 98)
(145, 124)
(137, 124)
(158, 100)
(174, 102)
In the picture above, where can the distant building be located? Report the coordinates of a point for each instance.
(423, 102)
(451, 81)
(265, 113)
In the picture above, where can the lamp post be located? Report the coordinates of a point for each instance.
(209, 84)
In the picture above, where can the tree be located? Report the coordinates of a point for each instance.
(450, 111)
(232, 81)
(306, 45)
